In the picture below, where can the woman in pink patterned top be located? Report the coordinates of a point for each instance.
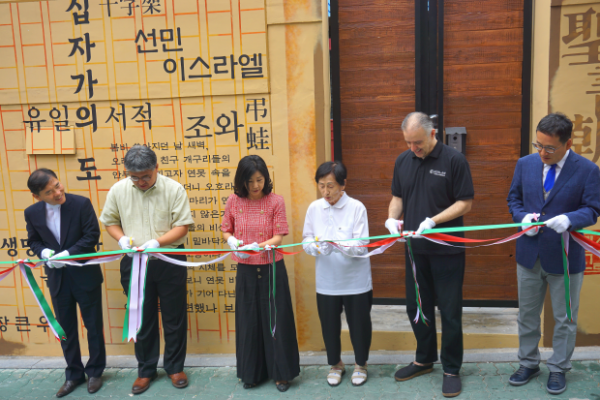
(266, 343)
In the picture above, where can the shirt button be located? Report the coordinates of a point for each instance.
(541, 231)
(543, 212)
(240, 210)
(259, 277)
(257, 269)
(260, 234)
(278, 225)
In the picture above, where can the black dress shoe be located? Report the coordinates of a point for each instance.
(94, 384)
(523, 375)
(283, 386)
(68, 387)
(451, 386)
(412, 370)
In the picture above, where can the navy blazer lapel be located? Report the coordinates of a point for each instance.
(566, 173)
(40, 214)
(65, 219)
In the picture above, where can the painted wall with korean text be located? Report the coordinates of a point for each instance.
(203, 83)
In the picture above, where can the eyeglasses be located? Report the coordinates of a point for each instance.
(549, 149)
(146, 178)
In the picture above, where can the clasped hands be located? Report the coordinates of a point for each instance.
(313, 247)
(126, 243)
(560, 223)
(49, 255)
(394, 225)
(236, 244)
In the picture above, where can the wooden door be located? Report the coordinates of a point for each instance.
(483, 58)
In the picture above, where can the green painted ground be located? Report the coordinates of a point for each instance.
(480, 381)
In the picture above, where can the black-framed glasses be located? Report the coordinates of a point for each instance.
(549, 149)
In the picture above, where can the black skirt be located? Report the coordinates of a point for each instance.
(261, 355)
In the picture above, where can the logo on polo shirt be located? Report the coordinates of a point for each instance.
(437, 173)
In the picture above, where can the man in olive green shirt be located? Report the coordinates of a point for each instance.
(148, 210)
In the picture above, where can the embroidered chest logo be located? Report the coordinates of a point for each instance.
(437, 173)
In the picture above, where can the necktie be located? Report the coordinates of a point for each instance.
(550, 177)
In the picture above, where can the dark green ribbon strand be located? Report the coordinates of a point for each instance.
(47, 310)
(126, 322)
(567, 279)
(273, 294)
(417, 294)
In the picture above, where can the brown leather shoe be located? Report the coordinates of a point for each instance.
(68, 387)
(179, 380)
(142, 384)
(94, 384)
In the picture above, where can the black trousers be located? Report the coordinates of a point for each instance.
(259, 355)
(440, 277)
(65, 308)
(166, 282)
(358, 315)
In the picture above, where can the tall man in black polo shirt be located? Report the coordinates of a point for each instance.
(432, 186)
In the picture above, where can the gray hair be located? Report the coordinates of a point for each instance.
(140, 158)
(416, 120)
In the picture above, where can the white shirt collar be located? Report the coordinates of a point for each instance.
(340, 203)
(561, 162)
(55, 207)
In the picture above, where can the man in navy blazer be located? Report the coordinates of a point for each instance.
(60, 225)
(562, 189)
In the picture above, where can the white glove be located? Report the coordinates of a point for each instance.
(234, 243)
(125, 242)
(393, 225)
(560, 223)
(243, 256)
(350, 248)
(46, 254)
(311, 249)
(150, 244)
(425, 225)
(324, 248)
(58, 264)
(528, 219)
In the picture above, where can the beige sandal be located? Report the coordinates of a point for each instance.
(334, 377)
(359, 376)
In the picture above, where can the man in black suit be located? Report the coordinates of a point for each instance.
(59, 225)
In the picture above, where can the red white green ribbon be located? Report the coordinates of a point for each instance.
(25, 267)
(418, 299)
(272, 326)
(134, 312)
(564, 238)
(137, 286)
(57, 330)
(135, 297)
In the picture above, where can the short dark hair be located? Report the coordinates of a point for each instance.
(332, 167)
(140, 158)
(556, 124)
(39, 179)
(245, 169)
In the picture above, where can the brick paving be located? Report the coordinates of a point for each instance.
(480, 381)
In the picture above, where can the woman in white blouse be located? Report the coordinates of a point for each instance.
(343, 281)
